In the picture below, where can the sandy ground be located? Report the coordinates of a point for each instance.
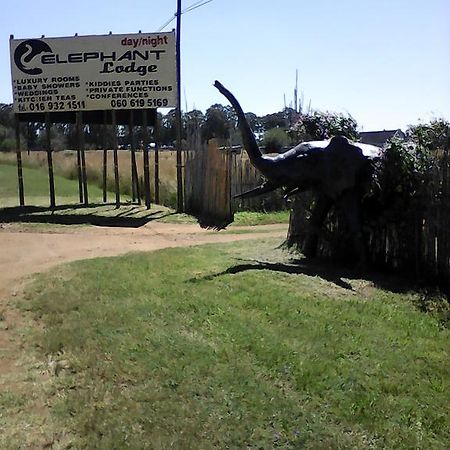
(24, 253)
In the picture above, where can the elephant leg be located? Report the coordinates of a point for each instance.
(318, 215)
(350, 205)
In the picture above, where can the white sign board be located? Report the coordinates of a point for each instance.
(82, 73)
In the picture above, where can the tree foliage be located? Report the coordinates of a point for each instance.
(323, 125)
(217, 123)
(431, 136)
(404, 172)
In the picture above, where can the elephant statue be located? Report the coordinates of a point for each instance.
(337, 171)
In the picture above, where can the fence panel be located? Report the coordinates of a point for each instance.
(208, 184)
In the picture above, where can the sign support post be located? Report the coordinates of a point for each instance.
(180, 202)
(115, 157)
(156, 139)
(105, 155)
(146, 161)
(19, 162)
(51, 181)
(80, 130)
(134, 173)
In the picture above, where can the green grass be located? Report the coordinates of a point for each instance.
(36, 188)
(191, 349)
(251, 218)
(37, 194)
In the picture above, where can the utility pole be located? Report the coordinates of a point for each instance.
(296, 91)
(180, 202)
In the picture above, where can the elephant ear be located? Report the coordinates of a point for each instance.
(345, 162)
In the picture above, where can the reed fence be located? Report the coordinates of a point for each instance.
(208, 184)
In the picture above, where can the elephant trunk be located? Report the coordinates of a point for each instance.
(248, 138)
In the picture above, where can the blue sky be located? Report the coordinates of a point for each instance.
(387, 63)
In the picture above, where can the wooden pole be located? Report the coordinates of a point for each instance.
(180, 202)
(28, 137)
(146, 161)
(105, 156)
(51, 180)
(80, 131)
(156, 136)
(19, 162)
(80, 175)
(116, 159)
(130, 138)
(134, 172)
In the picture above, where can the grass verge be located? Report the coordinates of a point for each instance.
(195, 348)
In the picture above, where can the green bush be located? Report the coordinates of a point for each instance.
(431, 136)
(8, 144)
(402, 176)
(275, 139)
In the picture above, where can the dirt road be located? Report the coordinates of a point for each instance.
(26, 250)
(23, 253)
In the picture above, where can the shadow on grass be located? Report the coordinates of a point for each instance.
(101, 214)
(335, 274)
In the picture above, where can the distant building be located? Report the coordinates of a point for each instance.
(379, 138)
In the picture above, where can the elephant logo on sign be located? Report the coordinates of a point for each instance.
(26, 51)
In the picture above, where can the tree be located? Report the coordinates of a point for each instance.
(193, 120)
(323, 125)
(167, 128)
(217, 122)
(275, 120)
(255, 122)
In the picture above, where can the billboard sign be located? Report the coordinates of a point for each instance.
(84, 73)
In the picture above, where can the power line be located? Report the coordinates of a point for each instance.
(195, 6)
(166, 23)
(190, 8)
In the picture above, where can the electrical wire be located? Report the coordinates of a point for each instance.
(166, 23)
(190, 8)
(196, 5)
